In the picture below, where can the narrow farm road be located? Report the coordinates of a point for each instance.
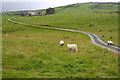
(95, 39)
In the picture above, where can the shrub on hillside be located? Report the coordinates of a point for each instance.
(50, 11)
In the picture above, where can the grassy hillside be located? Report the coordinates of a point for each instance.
(105, 25)
(87, 7)
(30, 52)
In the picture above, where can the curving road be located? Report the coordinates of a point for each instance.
(95, 39)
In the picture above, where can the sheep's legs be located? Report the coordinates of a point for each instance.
(110, 44)
(62, 44)
(70, 49)
(74, 50)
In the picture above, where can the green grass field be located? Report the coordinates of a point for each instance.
(30, 52)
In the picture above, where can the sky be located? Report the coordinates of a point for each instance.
(16, 5)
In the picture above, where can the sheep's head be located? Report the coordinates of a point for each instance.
(61, 42)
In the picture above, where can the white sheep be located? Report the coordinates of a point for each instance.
(61, 42)
(110, 43)
(72, 47)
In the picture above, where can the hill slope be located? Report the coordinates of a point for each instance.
(88, 7)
